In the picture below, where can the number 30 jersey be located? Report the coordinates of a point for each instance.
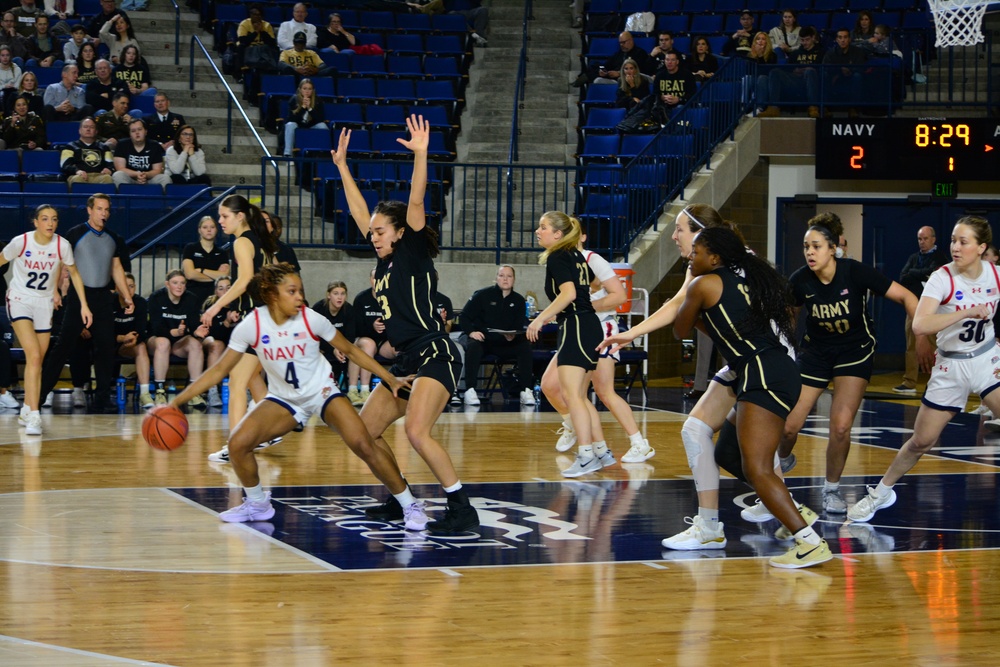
(837, 313)
(957, 292)
(35, 266)
(296, 370)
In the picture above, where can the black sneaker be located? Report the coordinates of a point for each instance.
(390, 510)
(457, 519)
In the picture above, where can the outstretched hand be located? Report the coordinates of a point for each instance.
(420, 134)
(340, 154)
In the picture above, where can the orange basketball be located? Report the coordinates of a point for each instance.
(165, 427)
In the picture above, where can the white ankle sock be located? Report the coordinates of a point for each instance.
(637, 440)
(709, 516)
(599, 447)
(882, 490)
(405, 498)
(829, 487)
(587, 452)
(255, 494)
(808, 535)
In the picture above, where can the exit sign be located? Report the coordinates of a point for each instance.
(944, 189)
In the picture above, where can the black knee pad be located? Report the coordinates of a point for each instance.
(727, 451)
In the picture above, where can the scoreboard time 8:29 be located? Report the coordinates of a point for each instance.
(908, 149)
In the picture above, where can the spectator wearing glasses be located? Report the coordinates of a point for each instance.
(185, 159)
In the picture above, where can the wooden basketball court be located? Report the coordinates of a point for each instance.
(112, 553)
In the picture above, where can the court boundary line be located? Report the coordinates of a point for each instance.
(80, 652)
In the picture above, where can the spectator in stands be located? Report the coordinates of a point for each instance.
(131, 332)
(112, 127)
(335, 38)
(284, 253)
(863, 35)
(203, 262)
(991, 255)
(702, 64)
(918, 268)
(740, 41)
(477, 18)
(673, 87)
(785, 36)
(610, 71)
(164, 124)
(761, 53)
(845, 81)
(102, 91)
(137, 160)
(175, 329)
(29, 91)
(11, 37)
(185, 159)
(288, 30)
(65, 100)
(25, 17)
(214, 345)
(108, 10)
(305, 110)
(133, 70)
(86, 63)
(664, 45)
(494, 319)
(59, 10)
(633, 87)
(87, 160)
(340, 313)
(371, 338)
(785, 85)
(303, 62)
(43, 48)
(23, 129)
(102, 259)
(71, 49)
(883, 46)
(252, 31)
(116, 34)
(10, 71)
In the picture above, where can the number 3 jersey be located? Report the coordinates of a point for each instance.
(296, 370)
(35, 265)
(837, 313)
(956, 292)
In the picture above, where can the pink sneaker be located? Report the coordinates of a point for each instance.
(249, 511)
(415, 517)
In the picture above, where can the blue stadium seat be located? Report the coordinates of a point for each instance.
(632, 6)
(312, 141)
(361, 144)
(445, 45)
(413, 23)
(378, 21)
(600, 148)
(41, 165)
(601, 48)
(368, 66)
(405, 45)
(385, 145)
(384, 116)
(356, 90)
(395, 91)
(177, 194)
(442, 67)
(602, 176)
(436, 115)
(407, 67)
(436, 91)
(325, 87)
(600, 95)
(87, 189)
(142, 196)
(632, 145)
(706, 24)
(60, 134)
(696, 7)
(449, 24)
(602, 120)
(338, 61)
(373, 174)
(675, 23)
(346, 115)
(603, 7)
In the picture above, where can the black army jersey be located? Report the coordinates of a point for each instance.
(723, 323)
(405, 288)
(569, 266)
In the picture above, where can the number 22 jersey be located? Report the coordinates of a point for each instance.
(35, 265)
(956, 292)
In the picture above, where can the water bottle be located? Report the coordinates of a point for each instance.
(225, 395)
(527, 309)
(538, 394)
(376, 381)
(120, 392)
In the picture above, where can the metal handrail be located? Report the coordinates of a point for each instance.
(214, 202)
(515, 126)
(177, 32)
(229, 119)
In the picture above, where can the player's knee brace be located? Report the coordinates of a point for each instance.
(697, 438)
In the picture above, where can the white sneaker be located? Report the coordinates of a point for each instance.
(865, 508)
(992, 425)
(33, 425)
(567, 438)
(22, 417)
(756, 514)
(479, 39)
(270, 443)
(471, 397)
(527, 397)
(833, 502)
(639, 453)
(214, 401)
(8, 401)
(221, 456)
(414, 516)
(699, 536)
(607, 459)
(47, 403)
(582, 466)
(79, 397)
(249, 511)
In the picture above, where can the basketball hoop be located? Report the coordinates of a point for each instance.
(958, 22)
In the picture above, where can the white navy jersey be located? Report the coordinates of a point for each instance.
(296, 370)
(36, 266)
(602, 269)
(958, 292)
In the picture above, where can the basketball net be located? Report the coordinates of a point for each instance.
(958, 22)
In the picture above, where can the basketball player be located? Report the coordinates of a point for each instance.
(567, 284)
(285, 335)
(738, 296)
(405, 284)
(958, 304)
(31, 297)
(253, 247)
(839, 344)
(605, 300)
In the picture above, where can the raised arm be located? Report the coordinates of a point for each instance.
(355, 200)
(420, 131)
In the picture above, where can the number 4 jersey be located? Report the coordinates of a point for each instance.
(35, 266)
(296, 370)
(957, 292)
